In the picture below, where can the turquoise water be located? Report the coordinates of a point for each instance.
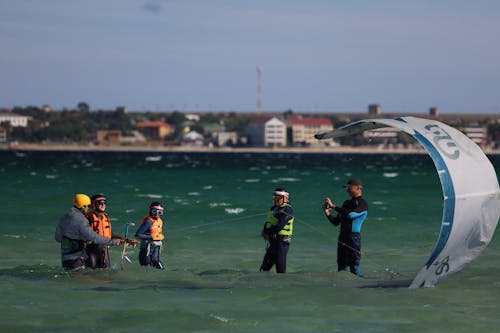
(216, 205)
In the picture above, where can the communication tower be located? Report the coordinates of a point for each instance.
(259, 88)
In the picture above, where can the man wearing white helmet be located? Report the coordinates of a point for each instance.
(74, 231)
(277, 232)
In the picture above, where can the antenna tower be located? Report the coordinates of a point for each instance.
(259, 88)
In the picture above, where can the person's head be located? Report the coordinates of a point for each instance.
(280, 196)
(98, 202)
(156, 209)
(354, 187)
(81, 202)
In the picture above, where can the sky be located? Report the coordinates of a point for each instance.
(202, 55)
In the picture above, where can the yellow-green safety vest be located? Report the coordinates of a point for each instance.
(272, 220)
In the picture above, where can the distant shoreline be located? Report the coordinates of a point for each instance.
(188, 149)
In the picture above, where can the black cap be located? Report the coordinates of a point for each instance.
(354, 181)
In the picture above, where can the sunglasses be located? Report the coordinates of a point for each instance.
(100, 203)
(157, 211)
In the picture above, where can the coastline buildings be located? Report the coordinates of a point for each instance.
(155, 130)
(3, 134)
(303, 129)
(267, 132)
(232, 129)
(193, 139)
(273, 132)
(15, 120)
(477, 134)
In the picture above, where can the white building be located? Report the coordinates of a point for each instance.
(267, 132)
(222, 138)
(192, 117)
(477, 134)
(15, 120)
(303, 129)
(192, 138)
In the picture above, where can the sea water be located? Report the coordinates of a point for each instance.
(215, 208)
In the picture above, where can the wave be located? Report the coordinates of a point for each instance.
(234, 211)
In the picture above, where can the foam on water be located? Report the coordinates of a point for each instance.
(155, 158)
(390, 174)
(150, 195)
(218, 204)
(235, 211)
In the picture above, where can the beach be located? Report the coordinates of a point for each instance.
(205, 149)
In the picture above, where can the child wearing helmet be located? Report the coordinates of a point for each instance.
(151, 235)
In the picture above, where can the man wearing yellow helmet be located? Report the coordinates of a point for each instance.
(74, 231)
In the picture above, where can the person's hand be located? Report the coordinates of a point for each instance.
(132, 242)
(118, 241)
(264, 235)
(328, 204)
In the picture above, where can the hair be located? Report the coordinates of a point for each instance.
(155, 203)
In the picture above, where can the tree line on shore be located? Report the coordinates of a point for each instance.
(80, 125)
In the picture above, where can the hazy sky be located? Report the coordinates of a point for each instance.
(191, 55)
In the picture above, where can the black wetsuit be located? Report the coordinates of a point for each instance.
(350, 217)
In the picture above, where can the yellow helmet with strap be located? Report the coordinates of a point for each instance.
(81, 200)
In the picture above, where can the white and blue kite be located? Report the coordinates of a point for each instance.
(470, 190)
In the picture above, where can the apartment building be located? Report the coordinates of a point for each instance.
(267, 132)
(303, 129)
(477, 134)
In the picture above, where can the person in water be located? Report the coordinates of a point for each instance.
(150, 233)
(277, 231)
(350, 216)
(97, 254)
(74, 232)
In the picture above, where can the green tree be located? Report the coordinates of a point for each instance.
(83, 106)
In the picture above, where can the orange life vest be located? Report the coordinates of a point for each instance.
(156, 227)
(100, 223)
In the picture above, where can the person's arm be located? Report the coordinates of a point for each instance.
(144, 231)
(88, 234)
(341, 210)
(327, 206)
(360, 206)
(58, 233)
